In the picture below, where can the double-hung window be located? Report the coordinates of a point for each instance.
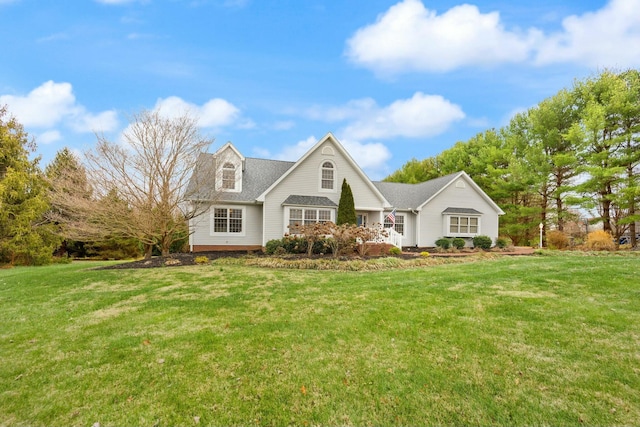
(307, 216)
(227, 220)
(228, 176)
(463, 226)
(327, 177)
(398, 226)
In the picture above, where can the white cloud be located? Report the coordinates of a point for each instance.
(101, 122)
(609, 37)
(294, 152)
(371, 157)
(409, 37)
(421, 115)
(214, 113)
(44, 106)
(51, 104)
(352, 109)
(49, 137)
(284, 125)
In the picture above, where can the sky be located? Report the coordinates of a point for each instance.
(391, 79)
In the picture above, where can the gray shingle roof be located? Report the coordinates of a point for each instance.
(467, 211)
(411, 196)
(257, 176)
(309, 201)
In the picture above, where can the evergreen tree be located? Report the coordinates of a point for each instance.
(25, 238)
(346, 206)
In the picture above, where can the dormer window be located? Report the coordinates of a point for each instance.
(327, 176)
(228, 176)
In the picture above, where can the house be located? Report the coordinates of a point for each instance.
(248, 201)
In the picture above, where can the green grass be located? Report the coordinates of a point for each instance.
(544, 340)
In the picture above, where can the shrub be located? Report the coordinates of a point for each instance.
(600, 240)
(395, 251)
(273, 245)
(294, 244)
(443, 243)
(482, 242)
(503, 242)
(201, 260)
(556, 239)
(458, 243)
(425, 254)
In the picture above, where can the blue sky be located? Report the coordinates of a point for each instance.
(392, 79)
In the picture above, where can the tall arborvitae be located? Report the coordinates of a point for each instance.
(346, 206)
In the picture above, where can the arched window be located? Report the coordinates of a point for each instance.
(228, 176)
(327, 177)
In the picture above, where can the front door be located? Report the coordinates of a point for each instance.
(361, 220)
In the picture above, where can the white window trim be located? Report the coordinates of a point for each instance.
(447, 225)
(227, 234)
(238, 175)
(287, 214)
(335, 177)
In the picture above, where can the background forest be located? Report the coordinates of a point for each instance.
(568, 163)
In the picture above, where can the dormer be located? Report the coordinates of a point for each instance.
(229, 169)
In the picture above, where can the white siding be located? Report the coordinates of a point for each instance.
(305, 180)
(431, 218)
(252, 225)
(409, 237)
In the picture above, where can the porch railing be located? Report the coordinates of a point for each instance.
(387, 235)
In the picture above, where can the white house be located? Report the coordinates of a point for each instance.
(248, 201)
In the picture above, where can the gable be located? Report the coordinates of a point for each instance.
(416, 196)
(310, 175)
(465, 192)
(257, 176)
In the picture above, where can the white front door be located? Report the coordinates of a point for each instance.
(361, 220)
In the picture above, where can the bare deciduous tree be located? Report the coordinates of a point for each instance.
(141, 187)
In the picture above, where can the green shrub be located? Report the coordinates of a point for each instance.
(443, 243)
(482, 242)
(294, 244)
(395, 251)
(62, 259)
(458, 243)
(503, 242)
(272, 245)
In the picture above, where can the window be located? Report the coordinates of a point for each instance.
(228, 220)
(307, 216)
(464, 225)
(327, 180)
(399, 225)
(228, 176)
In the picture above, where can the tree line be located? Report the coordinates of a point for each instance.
(569, 162)
(122, 200)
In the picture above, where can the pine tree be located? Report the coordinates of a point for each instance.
(346, 206)
(24, 237)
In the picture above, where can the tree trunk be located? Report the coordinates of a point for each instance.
(148, 251)
(606, 214)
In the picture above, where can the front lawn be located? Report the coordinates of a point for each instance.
(541, 340)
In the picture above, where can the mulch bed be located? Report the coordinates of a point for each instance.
(189, 258)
